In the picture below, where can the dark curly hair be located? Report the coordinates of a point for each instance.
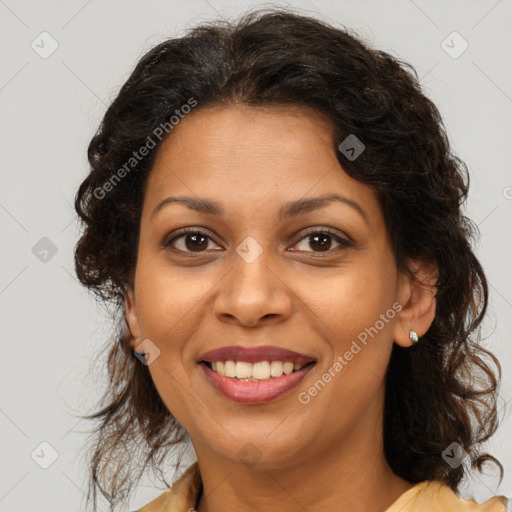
(442, 390)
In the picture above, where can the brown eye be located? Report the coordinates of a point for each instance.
(322, 241)
(190, 240)
(195, 242)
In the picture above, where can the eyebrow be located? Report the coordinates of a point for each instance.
(288, 210)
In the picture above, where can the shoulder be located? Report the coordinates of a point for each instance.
(181, 497)
(437, 497)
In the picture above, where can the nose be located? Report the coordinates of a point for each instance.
(253, 294)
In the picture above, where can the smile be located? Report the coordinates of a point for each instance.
(254, 383)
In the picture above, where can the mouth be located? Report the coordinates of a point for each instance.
(254, 374)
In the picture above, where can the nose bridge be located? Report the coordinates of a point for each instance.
(251, 266)
(253, 290)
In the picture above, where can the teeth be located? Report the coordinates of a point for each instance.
(262, 370)
(229, 369)
(276, 368)
(243, 370)
(287, 368)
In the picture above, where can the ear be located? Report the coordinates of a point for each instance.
(417, 295)
(132, 319)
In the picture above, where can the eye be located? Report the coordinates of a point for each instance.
(189, 240)
(321, 241)
(194, 240)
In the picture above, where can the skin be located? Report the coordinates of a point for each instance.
(323, 455)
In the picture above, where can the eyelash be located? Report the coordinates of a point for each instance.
(314, 231)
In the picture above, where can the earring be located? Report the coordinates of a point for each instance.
(414, 336)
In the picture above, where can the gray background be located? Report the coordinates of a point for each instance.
(50, 108)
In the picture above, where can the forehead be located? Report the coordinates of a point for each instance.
(244, 155)
(220, 133)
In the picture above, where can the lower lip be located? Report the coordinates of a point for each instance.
(249, 392)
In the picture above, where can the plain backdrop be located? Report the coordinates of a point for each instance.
(51, 104)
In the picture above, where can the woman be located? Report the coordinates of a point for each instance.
(274, 211)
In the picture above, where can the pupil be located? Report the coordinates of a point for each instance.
(195, 245)
(323, 241)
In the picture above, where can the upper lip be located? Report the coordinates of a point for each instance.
(255, 354)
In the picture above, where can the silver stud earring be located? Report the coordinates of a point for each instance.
(414, 336)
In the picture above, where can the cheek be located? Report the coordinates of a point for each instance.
(171, 381)
(168, 308)
(169, 302)
(354, 314)
(350, 383)
(349, 300)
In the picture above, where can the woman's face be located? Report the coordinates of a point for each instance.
(264, 273)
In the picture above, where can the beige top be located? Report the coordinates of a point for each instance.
(423, 497)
